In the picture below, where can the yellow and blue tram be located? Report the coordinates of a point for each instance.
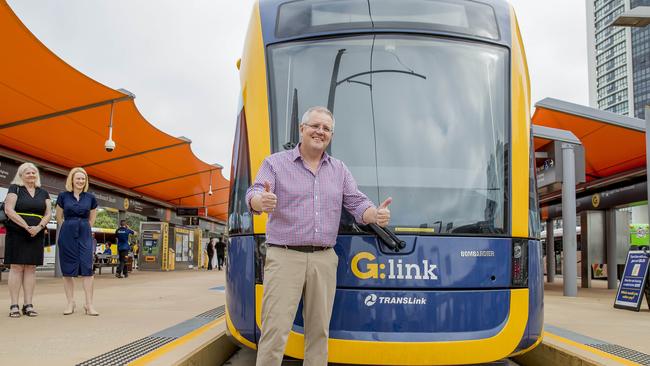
(432, 101)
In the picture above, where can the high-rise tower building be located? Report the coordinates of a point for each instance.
(619, 59)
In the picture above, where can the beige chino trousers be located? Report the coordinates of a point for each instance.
(288, 276)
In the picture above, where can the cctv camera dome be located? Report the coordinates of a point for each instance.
(109, 145)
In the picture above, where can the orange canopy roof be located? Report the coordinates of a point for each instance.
(53, 112)
(613, 143)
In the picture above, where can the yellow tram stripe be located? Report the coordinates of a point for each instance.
(520, 132)
(256, 101)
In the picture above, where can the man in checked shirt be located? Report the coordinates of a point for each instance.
(302, 190)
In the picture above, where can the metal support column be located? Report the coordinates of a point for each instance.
(550, 252)
(569, 269)
(610, 218)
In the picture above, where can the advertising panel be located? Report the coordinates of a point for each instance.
(639, 234)
(634, 282)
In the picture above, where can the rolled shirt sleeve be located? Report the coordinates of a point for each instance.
(354, 201)
(265, 174)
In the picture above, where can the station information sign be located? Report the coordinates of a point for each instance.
(187, 211)
(634, 282)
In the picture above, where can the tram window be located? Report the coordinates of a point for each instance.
(465, 17)
(239, 219)
(421, 119)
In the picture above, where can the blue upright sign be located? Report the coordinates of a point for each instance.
(634, 281)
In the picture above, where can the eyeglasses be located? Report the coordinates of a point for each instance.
(325, 129)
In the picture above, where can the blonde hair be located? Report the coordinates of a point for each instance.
(18, 179)
(68, 182)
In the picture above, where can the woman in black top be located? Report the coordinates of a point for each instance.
(28, 208)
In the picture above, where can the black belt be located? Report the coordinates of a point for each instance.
(301, 248)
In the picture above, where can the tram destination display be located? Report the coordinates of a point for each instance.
(634, 283)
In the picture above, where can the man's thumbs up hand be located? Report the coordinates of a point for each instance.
(269, 199)
(383, 213)
(387, 202)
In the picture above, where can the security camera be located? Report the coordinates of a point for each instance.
(109, 145)
(210, 193)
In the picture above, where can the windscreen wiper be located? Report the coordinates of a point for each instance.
(293, 136)
(388, 237)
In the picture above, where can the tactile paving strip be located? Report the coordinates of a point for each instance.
(626, 353)
(214, 313)
(612, 349)
(139, 348)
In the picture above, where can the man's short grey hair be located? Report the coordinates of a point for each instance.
(320, 109)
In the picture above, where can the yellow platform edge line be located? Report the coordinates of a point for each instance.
(149, 357)
(593, 350)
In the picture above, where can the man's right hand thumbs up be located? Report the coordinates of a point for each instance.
(269, 199)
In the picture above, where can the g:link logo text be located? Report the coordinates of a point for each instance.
(364, 266)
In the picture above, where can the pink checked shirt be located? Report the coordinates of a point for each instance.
(308, 210)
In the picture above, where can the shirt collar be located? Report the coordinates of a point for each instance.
(295, 154)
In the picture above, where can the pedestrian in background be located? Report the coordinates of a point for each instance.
(122, 233)
(221, 252)
(28, 208)
(76, 210)
(136, 250)
(209, 248)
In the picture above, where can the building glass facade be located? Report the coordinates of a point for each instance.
(619, 61)
(641, 64)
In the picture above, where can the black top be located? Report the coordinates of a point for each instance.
(221, 247)
(26, 204)
(20, 246)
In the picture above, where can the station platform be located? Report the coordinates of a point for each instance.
(176, 318)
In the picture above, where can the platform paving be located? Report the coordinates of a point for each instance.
(591, 318)
(148, 302)
(130, 308)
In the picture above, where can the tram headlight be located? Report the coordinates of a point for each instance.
(519, 263)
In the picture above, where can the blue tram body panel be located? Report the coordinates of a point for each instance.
(427, 262)
(240, 285)
(388, 296)
(416, 316)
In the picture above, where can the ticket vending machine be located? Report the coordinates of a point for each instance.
(154, 248)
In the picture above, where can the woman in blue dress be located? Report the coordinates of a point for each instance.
(76, 213)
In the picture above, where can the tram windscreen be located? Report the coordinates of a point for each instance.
(420, 119)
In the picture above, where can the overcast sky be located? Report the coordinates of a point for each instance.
(178, 57)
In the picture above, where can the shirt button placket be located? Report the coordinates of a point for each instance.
(316, 205)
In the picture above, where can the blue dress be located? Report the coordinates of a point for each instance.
(75, 245)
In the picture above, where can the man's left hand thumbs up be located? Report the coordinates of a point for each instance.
(383, 213)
